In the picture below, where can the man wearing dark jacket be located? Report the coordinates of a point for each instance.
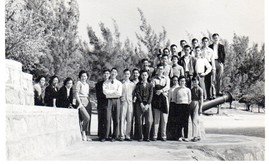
(144, 93)
(219, 56)
(101, 105)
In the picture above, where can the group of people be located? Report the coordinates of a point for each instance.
(150, 103)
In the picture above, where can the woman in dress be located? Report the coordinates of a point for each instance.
(84, 105)
(39, 90)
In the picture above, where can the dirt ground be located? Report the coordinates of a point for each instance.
(233, 134)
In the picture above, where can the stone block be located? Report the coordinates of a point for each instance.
(35, 131)
(19, 85)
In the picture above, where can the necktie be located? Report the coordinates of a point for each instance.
(112, 81)
(174, 65)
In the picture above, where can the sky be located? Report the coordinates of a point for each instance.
(179, 17)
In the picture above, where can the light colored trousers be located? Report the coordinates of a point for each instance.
(126, 117)
(160, 117)
(219, 73)
(202, 85)
(194, 107)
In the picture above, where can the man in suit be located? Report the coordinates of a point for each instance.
(194, 43)
(187, 62)
(102, 105)
(144, 94)
(182, 44)
(146, 67)
(219, 56)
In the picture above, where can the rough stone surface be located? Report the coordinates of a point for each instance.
(214, 147)
(33, 131)
(19, 85)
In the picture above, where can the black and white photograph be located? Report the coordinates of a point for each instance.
(133, 80)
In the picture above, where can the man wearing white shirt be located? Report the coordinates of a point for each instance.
(208, 53)
(194, 43)
(187, 62)
(113, 91)
(199, 68)
(219, 56)
(173, 49)
(182, 44)
(126, 106)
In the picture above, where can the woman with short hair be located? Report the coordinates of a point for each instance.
(84, 104)
(51, 92)
(65, 94)
(39, 90)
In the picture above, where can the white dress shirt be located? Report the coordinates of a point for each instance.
(127, 90)
(200, 65)
(208, 53)
(215, 49)
(112, 88)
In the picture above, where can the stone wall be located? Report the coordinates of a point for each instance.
(19, 85)
(33, 132)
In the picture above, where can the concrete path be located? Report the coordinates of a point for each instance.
(214, 147)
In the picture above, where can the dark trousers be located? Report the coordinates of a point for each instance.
(172, 125)
(208, 83)
(113, 111)
(183, 118)
(101, 109)
(139, 116)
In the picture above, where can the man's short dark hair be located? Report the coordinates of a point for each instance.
(166, 49)
(194, 78)
(215, 34)
(159, 65)
(194, 39)
(68, 79)
(145, 59)
(197, 47)
(114, 68)
(82, 72)
(175, 76)
(181, 41)
(181, 77)
(175, 56)
(173, 45)
(106, 70)
(126, 70)
(164, 55)
(135, 69)
(186, 46)
(142, 71)
(204, 38)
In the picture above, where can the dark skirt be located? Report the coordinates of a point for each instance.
(173, 122)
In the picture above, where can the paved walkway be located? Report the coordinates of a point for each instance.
(214, 147)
